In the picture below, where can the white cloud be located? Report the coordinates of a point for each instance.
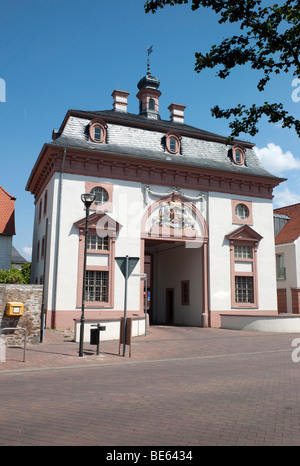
(27, 251)
(275, 160)
(286, 197)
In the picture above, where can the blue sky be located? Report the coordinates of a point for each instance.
(61, 54)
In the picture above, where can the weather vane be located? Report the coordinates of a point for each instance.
(149, 51)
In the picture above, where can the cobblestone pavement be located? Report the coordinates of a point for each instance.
(181, 387)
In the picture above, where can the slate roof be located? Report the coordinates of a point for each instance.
(16, 257)
(7, 213)
(138, 137)
(291, 230)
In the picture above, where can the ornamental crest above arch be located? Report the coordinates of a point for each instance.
(174, 214)
(174, 217)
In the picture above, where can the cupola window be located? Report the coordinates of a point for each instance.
(151, 104)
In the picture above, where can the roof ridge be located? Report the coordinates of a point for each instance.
(12, 197)
(287, 206)
(126, 116)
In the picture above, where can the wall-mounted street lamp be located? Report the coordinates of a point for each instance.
(87, 199)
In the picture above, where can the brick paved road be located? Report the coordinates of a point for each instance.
(182, 387)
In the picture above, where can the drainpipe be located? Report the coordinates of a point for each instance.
(57, 237)
(44, 275)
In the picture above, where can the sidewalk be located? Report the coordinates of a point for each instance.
(160, 343)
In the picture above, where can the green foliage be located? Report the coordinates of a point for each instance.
(16, 276)
(26, 271)
(268, 41)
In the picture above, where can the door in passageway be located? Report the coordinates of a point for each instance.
(169, 305)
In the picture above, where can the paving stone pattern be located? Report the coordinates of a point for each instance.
(181, 387)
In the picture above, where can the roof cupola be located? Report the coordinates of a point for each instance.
(149, 94)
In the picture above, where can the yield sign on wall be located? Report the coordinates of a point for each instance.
(127, 267)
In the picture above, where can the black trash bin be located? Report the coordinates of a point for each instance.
(94, 336)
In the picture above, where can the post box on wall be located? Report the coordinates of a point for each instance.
(14, 309)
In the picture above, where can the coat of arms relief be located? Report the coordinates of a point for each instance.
(174, 216)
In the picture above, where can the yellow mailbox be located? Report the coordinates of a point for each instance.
(14, 308)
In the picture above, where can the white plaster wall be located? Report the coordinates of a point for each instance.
(127, 210)
(281, 324)
(39, 230)
(72, 209)
(220, 224)
(263, 223)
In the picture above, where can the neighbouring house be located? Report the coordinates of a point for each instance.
(195, 212)
(7, 228)
(17, 260)
(287, 241)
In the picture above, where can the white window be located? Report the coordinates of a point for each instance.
(238, 156)
(173, 143)
(98, 243)
(244, 290)
(97, 133)
(101, 196)
(242, 211)
(96, 286)
(243, 252)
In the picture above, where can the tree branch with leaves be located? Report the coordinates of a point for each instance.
(269, 41)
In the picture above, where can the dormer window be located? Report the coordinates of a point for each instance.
(97, 131)
(238, 155)
(173, 143)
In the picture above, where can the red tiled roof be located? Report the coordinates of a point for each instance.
(7, 213)
(291, 230)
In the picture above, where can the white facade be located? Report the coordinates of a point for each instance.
(198, 211)
(173, 264)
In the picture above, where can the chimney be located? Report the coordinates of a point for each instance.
(177, 112)
(120, 100)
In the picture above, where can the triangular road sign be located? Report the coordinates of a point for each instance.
(132, 261)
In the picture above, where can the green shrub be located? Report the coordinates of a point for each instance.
(14, 275)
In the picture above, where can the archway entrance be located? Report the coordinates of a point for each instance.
(175, 282)
(175, 260)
